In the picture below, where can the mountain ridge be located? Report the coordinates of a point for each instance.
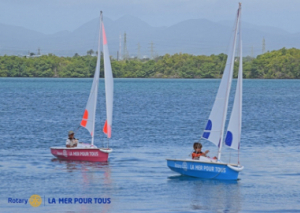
(193, 36)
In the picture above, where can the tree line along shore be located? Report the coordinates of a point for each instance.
(277, 64)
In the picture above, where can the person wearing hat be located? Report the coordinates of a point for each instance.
(71, 141)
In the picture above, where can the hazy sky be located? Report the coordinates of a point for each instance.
(50, 16)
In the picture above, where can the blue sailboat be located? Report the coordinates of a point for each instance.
(207, 167)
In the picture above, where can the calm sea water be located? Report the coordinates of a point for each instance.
(153, 120)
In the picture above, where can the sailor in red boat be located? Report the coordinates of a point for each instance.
(197, 153)
(71, 141)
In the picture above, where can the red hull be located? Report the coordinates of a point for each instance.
(85, 154)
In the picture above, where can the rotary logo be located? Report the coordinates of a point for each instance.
(65, 153)
(35, 200)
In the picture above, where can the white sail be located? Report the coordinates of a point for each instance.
(215, 126)
(109, 86)
(233, 135)
(89, 116)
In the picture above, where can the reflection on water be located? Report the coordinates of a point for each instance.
(89, 177)
(81, 165)
(154, 119)
(210, 195)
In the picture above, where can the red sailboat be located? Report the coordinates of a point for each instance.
(89, 152)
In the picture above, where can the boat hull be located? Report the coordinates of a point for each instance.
(81, 154)
(206, 170)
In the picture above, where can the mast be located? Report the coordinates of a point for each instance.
(233, 135)
(109, 85)
(214, 130)
(98, 62)
(89, 116)
(228, 85)
(240, 83)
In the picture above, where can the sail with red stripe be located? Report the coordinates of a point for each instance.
(89, 116)
(109, 86)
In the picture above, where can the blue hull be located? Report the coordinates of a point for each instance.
(206, 170)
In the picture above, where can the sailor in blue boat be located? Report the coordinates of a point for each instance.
(71, 141)
(197, 153)
(201, 165)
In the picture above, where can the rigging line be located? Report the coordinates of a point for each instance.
(96, 34)
(77, 129)
(102, 139)
(219, 172)
(239, 155)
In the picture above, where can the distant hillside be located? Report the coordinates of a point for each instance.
(195, 36)
(283, 63)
